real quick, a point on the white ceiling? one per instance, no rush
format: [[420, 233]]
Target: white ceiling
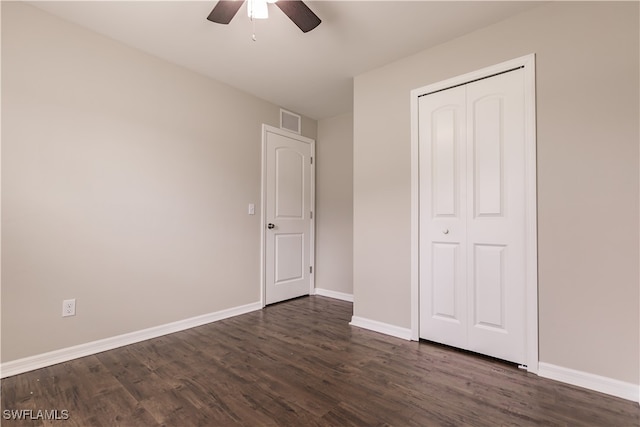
[[311, 74]]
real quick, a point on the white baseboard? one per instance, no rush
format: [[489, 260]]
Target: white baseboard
[[38, 361], [589, 381], [334, 294], [383, 328]]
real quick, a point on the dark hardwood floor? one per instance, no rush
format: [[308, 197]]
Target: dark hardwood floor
[[299, 363]]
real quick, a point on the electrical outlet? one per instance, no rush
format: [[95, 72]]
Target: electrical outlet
[[69, 307]]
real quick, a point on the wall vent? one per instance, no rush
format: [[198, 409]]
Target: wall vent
[[289, 121]]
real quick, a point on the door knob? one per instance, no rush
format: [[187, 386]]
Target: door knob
[[445, 231], [270, 226]]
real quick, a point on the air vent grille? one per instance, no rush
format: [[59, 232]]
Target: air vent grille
[[289, 121]]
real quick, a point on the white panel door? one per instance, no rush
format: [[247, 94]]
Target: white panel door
[[287, 207], [496, 216], [443, 309], [472, 216]]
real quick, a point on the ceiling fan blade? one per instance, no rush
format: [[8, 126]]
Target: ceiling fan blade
[[300, 14], [224, 11]]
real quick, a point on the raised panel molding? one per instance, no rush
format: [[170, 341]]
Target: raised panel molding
[[445, 283], [289, 248], [290, 167], [444, 157], [488, 285], [488, 153]]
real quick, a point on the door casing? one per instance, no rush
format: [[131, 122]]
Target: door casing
[[263, 212], [531, 259]]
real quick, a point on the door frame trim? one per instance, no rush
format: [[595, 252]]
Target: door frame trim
[[263, 213], [527, 62]]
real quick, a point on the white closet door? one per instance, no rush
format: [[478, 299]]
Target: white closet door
[[472, 217], [496, 216], [443, 212]]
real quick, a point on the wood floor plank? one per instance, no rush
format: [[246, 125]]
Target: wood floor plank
[[299, 363]]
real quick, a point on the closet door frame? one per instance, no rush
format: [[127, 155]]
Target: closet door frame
[[531, 262]]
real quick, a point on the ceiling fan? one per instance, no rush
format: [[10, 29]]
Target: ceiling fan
[[296, 10]]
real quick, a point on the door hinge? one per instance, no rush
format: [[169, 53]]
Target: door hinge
[[311, 160], [310, 269], [311, 215]]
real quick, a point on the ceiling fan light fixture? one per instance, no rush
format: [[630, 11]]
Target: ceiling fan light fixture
[[257, 9], [296, 10]]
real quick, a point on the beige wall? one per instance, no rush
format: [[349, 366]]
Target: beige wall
[[334, 200], [588, 203], [125, 185]]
